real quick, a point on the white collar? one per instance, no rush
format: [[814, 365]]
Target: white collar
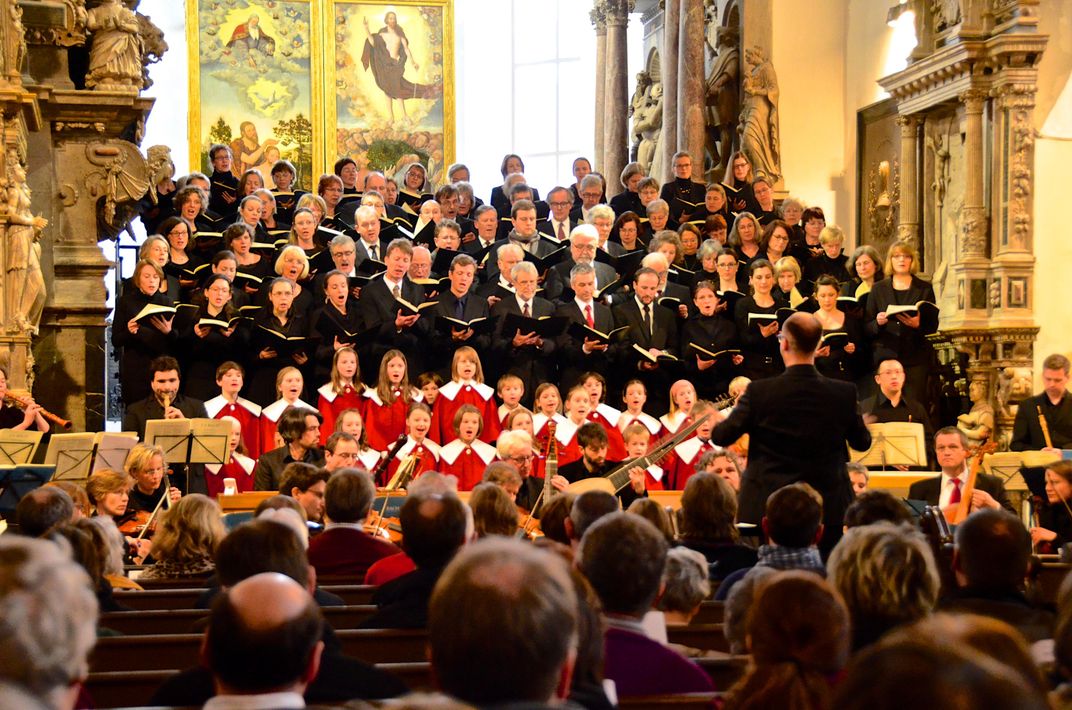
[[656, 472], [688, 450], [215, 405], [428, 444], [452, 388], [649, 422], [245, 462], [673, 422], [415, 394], [565, 431], [391, 284], [262, 701], [450, 452], [521, 303], [581, 304], [504, 411], [274, 410], [962, 477], [607, 412], [539, 421], [641, 306], [369, 458]]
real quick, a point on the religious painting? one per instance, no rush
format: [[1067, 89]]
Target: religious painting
[[1017, 296], [393, 78], [878, 161], [253, 85]]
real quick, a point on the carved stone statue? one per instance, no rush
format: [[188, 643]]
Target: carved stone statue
[[153, 46], [24, 284], [723, 97], [977, 424], [115, 56], [161, 170], [758, 126], [648, 122], [946, 13], [636, 104]]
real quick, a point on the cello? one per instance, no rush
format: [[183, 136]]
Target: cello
[[964, 506], [529, 527]]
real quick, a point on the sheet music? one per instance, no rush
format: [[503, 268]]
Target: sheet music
[[171, 435], [112, 450], [211, 441], [893, 444], [72, 456], [18, 446]]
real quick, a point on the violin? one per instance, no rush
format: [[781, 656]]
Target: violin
[[377, 524]]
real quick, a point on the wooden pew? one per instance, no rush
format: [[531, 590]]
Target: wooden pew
[[122, 689], [1048, 581], [416, 674], [711, 612], [352, 594], [186, 597], [709, 637], [684, 701], [724, 670], [164, 651], [190, 621]]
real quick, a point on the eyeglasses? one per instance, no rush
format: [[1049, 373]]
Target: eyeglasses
[[521, 459], [563, 204], [351, 252]]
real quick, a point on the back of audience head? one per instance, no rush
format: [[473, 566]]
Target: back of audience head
[[992, 552], [708, 509], [433, 482], [875, 506], [887, 576], [434, 528], [685, 584], [652, 511], [50, 618], [554, 514], [914, 672], [798, 633], [41, 509], [292, 517], [523, 642], [190, 528], [623, 556], [494, 513], [261, 546], [349, 496], [263, 636], [794, 516], [111, 541], [739, 603], [77, 492], [587, 508]]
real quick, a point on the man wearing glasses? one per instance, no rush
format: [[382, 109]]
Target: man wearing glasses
[[340, 451], [558, 225], [582, 242], [515, 448]]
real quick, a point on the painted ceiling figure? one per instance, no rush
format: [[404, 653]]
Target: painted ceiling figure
[[250, 35]]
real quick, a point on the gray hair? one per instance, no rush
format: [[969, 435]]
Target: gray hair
[[523, 267], [365, 211], [738, 603], [50, 614], [592, 180], [685, 580], [584, 230], [600, 212], [709, 249], [658, 206], [513, 249], [509, 441], [113, 563], [342, 240], [581, 269]]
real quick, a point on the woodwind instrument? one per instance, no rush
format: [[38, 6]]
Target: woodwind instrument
[[24, 402], [1045, 427], [167, 403]]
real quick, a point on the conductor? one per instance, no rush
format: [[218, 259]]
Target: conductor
[[798, 424]]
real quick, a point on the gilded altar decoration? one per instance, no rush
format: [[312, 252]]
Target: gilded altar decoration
[[393, 78], [883, 200], [758, 127], [253, 86]]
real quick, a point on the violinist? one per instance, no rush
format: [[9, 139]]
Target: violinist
[[145, 465], [1054, 523], [109, 492]]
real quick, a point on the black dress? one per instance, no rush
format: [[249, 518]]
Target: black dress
[[261, 387], [1057, 519], [329, 323], [842, 365], [761, 355], [713, 333], [201, 356], [137, 350], [896, 340]]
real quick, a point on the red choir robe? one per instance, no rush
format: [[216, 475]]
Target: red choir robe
[[239, 468], [653, 425], [269, 421], [504, 412], [331, 403], [672, 422], [248, 415], [384, 423], [607, 417], [539, 428], [427, 452], [451, 397], [369, 459], [466, 461], [566, 438], [680, 465]]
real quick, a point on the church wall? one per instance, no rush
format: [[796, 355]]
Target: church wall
[[1053, 156]]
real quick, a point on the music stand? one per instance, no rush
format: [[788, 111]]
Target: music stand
[[893, 444], [190, 441], [18, 447], [77, 456], [17, 481]]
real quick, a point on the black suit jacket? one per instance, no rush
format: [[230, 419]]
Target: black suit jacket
[[544, 226], [1027, 432], [533, 365], [626, 360], [929, 489], [378, 307], [444, 345], [572, 359], [541, 247], [798, 424], [189, 478], [556, 285]]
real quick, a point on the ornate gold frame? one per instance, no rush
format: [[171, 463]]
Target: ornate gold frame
[[316, 85], [323, 114]]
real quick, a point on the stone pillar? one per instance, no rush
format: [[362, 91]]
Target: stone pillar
[[670, 62], [908, 217], [616, 101], [973, 220], [691, 105], [599, 21]]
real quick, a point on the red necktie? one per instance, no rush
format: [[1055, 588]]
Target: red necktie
[[525, 310], [561, 233], [588, 316], [954, 497]]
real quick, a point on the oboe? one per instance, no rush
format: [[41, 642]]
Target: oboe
[[1045, 428]]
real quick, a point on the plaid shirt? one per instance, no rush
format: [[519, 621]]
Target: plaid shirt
[[783, 558]]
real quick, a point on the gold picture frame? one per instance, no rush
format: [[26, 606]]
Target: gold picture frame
[[268, 77], [378, 64]]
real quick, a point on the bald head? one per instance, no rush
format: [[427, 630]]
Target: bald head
[[264, 635], [802, 332]]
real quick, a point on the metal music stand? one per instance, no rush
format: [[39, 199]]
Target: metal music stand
[[893, 444]]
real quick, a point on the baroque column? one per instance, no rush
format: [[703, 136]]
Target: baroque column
[[598, 16], [691, 100], [973, 220], [616, 101], [670, 66], [908, 226]]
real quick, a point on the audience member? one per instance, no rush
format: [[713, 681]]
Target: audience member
[[344, 548], [587, 508], [708, 523], [185, 544], [873, 506], [41, 509], [685, 585]]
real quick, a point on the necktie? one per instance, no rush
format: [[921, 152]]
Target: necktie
[[954, 497], [561, 233], [525, 310], [647, 318], [588, 316], [372, 253], [397, 291], [459, 308]]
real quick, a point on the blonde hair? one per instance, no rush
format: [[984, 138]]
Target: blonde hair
[[283, 372], [337, 384], [467, 352], [901, 248], [292, 249], [140, 456], [832, 234], [190, 529], [107, 481], [787, 263], [308, 199], [674, 389]]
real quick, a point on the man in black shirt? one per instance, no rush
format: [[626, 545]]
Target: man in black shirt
[[890, 404], [300, 429], [1053, 404], [593, 441]]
